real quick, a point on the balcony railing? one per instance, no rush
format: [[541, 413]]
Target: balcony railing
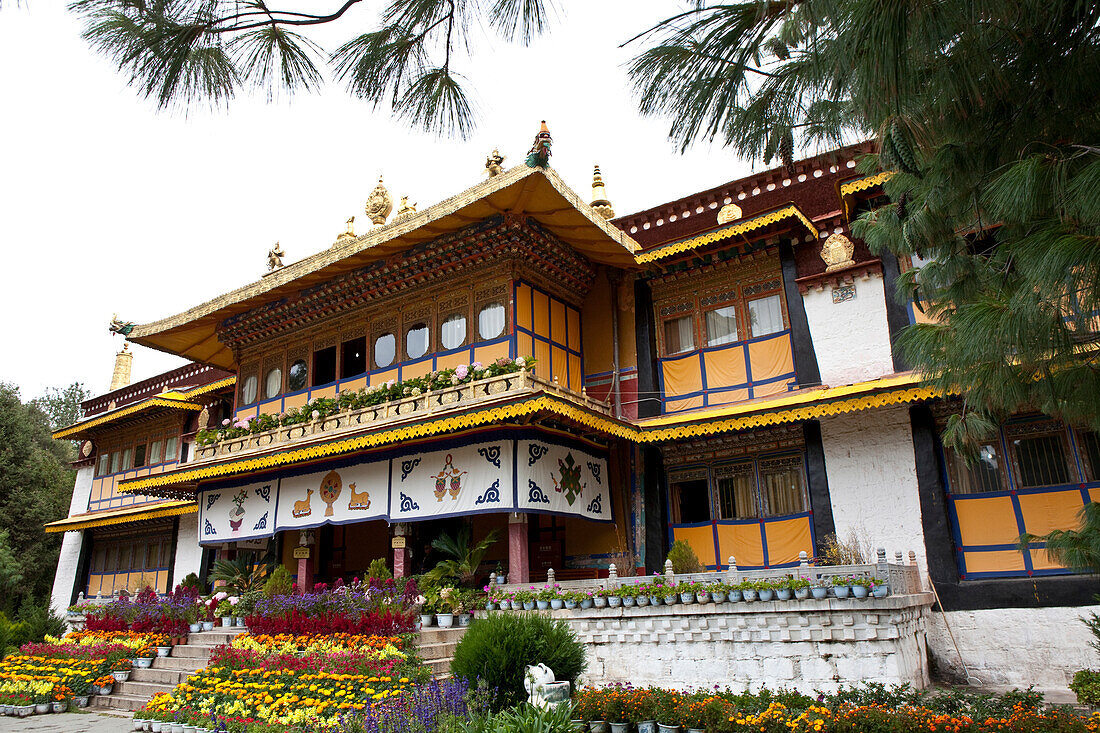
[[429, 404]]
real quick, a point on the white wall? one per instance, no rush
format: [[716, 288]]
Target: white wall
[[873, 479], [65, 576], [188, 552], [851, 339], [1015, 647]]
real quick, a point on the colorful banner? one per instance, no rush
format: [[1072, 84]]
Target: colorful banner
[[339, 496], [239, 513], [466, 480], [562, 480]]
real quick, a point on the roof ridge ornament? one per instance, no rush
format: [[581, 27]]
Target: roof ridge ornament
[[494, 163], [728, 213], [349, 232], [406, 209], [275, 257], [379, 204], [539, 155], [837, 252], [599, 196]]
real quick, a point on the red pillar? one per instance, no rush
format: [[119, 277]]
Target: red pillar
[[400, 562], [305, 573], [519, 567]]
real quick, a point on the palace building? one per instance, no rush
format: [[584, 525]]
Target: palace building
[[717, 369]]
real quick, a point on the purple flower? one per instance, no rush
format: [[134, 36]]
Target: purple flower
[[462, 371]]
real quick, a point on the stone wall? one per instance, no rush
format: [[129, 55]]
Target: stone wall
[[188, 552], [873, 479], [71, 542], [842, 357], [808, 645]]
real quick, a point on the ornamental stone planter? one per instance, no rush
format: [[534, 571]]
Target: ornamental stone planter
[[445, 620], [164, 651]]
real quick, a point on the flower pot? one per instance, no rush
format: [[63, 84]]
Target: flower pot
[[227, 621], [668, 728], [783, 594], [490, 606], [801, 594], [139, 723], [620, 727], [426, 620], [505, 605], [859, 591], [687, 597], [188, 729], [647, 726], [121, 676], [59, 706], [614, 601], [445, 620], [642, 600], [600, 601], [819, 591], [81, 701], [164, 651], [881, 591], [734, 596], [465, 618], [500, 579], [5, 709], [570, 604], [842, 591], [670, 600], [42, 708], [767, 594], [529, 605], [177, 728], [655, 600], [195, 628], [597, 726], [579, 725], [147, 725], [702, 597], [749, 594], [718, 596], [156, 726], [240, 621], [587, 603], [542, 605], [106, 689], [23, 711], [207, 625], [628, 602], [696, 730], [143, 662], [556, 603]]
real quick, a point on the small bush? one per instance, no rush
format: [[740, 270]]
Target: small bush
[[280, 583], [192, 582], [379, 569], [496, 650], [684, 559], [1086, 685]]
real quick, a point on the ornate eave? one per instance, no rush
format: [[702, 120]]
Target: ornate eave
[[848, 189], [122, 516], [535, 193]]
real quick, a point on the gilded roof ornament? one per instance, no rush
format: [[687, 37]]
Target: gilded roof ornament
[[539, 155], [837, 252], [599, 196], [494, 163], [379, 204], [728, 213], [349, 232], [275, 257], [406, 210]]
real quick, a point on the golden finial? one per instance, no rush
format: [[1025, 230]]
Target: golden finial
[[493, 164], [599, 196], [379, 204], [349, 232], [406, 209]]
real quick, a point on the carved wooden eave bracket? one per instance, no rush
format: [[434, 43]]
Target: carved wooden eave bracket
[[842, 276]]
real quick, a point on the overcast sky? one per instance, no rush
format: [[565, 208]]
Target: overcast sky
[[107, 205]]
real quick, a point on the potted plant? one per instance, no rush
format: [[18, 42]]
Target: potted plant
[[120, 670], [599, 599], [691, 714], [702, 593], [842, 585], [557, 601], [749, 589], [501, 577], [614, 597], [613, 710], [765, 589], [587, 707], [42, 703], [719, 592], [800, 586], [641, 594], [667, 710], [105, 684], [448, 601], [465, 601], [819, 588], [641, 710], [861, 586], [879, 588], [543, 596], [59, 701]]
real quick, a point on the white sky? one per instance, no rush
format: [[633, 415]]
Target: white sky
[[107, 205]]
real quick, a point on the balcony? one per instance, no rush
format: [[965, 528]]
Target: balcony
[[440, 403]]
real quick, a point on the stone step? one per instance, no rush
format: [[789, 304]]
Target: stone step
[[436, 635], [189, 664], [119, 701], [142, 689], [194, 651], [440, 667], [160, 676], [439, 650]]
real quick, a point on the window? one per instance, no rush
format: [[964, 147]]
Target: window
[[248, 390], [127, 459], [982, 476], [273, 383], [736, 491], [781, 486], [139, 456], [353, 357], [721, 325], [452, 332], [1090, 446], [416, 340], [170, 449], [490, 321], [678, 335], [296, 378], [324, 366], [115, 458], [766, 315], [690, 497], [154, 452], [385, 349], [103, 465], [1041, 460]]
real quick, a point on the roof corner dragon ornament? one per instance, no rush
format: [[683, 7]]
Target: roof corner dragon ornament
[[539, 155]]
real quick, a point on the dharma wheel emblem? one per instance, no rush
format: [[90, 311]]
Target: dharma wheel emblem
[[379, 204], [837, 252], [331, 485]]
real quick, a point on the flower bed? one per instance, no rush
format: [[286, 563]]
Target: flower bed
[[146, 613], [41, 677], [377, 608]]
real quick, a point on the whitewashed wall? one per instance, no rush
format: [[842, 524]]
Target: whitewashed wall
[[842, 358], [188, 552], [873, 480], [67, 561], [1015, 647]]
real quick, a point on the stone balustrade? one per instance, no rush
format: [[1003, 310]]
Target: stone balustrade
[[434, 403]]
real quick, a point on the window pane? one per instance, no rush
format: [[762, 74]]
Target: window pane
[[248, 390], [170, 449], [296, 378], [385, 349], [127, 459], [781, 484], [273, 383], [416, 340], [678, 335], [984, 475], [736, 492], [353, 357], [766, 315], [154, 452], [690, 501], [114, 461], [324, 366], [721, 325], [139, 456], [490, 321], [1090, 445], [1042, 461], [104, 463], [453, 331]]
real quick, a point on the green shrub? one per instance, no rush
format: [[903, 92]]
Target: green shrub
[[280, 583], [496, 651], [192, 581], [379, 569], [39, 621], [684, 559], [1086, 685]]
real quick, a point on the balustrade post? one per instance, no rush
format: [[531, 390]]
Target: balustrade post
[[492, 580], [899, 558], [732, 575], [551, 577], [612, 577], [883, 570]]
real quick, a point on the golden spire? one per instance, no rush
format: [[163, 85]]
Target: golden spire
[[599, 196], [120, 377]]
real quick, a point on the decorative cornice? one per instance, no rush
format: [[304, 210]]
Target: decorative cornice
[[171, 400], [122, 516], [862, 184], [836, 278], [790, 211]]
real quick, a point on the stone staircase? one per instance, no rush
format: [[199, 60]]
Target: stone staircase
[[437, 648], [166, 672]]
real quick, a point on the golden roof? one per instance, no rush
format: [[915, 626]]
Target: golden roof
[[122, 516], [536, 193]]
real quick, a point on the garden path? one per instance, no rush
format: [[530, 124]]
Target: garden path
[[82, 722]]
